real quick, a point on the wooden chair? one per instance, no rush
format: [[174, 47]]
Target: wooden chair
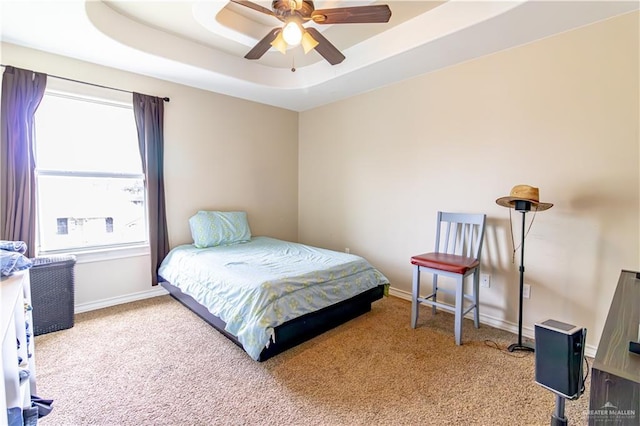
[[459, 240]]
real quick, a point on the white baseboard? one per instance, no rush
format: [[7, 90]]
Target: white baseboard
[[498, 323], [126, 298], [494, 322]]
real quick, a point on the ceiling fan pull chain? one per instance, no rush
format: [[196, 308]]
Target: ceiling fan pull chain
[[293, 63]]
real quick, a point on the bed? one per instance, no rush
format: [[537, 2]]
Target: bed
[[265, 294]]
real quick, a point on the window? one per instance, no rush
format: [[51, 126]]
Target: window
[[63, 226], [90, 184], [108, 222]]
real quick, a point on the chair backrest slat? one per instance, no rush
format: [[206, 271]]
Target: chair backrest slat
[[454, 237], [469, 239], [463, 234]]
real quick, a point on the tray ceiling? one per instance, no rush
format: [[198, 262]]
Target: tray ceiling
[[202, 43]]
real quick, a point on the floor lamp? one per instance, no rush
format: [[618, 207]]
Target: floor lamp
[[523, 198]]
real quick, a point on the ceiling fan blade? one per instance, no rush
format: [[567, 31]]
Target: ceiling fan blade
[[263, 45], [254, 6], [352, 15], [325, 48]]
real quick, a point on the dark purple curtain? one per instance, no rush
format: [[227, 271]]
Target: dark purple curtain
[[149, 114], [22, 91]]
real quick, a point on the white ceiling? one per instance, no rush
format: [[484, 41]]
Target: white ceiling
[[202, 43]]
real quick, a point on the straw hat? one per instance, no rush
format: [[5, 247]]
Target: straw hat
[[524, 193]]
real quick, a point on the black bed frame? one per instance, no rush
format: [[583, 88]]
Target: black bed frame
[[295, 331]]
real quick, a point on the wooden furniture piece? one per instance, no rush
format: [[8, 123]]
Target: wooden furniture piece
[[458, 247], [15, 325], [615, 375]]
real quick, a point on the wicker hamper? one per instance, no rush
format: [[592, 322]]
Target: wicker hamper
[[52, 293]]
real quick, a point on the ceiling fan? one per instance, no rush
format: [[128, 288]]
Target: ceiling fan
[[295, 13]]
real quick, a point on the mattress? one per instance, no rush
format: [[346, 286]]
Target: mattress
[[258, 285]]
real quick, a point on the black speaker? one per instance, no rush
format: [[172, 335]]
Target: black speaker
[[559, 354]]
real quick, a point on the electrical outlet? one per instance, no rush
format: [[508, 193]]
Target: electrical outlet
[[526, 291], [347, 250], [485, 280]]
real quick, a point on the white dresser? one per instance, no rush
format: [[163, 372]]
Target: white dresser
[[15, 302]]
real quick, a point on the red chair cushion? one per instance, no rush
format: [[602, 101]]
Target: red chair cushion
[[445, 262]]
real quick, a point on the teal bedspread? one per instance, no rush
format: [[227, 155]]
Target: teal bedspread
[[256, 286]]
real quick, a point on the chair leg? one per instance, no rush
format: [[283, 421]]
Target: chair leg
[[458, 309], [434, 291], [414, 296], [476, 297]]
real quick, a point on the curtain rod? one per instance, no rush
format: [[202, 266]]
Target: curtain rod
[[85, 82]]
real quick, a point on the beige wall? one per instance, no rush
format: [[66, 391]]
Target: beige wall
[[370, 172], [560, 114], [220, 153]]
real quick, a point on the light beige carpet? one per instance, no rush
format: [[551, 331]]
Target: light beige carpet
[[154, 362]]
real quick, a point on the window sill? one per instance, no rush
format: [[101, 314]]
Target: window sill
[[101, 255]]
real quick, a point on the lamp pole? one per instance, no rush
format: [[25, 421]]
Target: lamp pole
[[523, 207]]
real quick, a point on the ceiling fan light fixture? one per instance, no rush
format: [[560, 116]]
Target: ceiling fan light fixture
[[308, 42], [280, 44], [292, 33], [295, 13]]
